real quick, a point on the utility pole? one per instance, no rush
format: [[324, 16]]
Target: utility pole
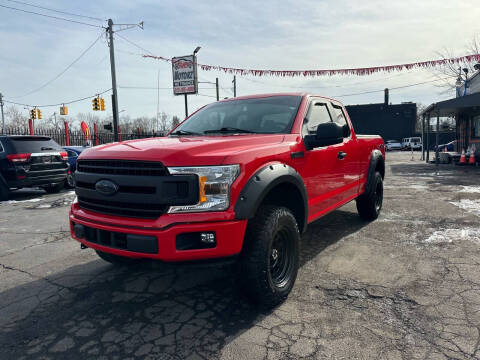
[[3, 118], [114, 82], [216, 85], [234, 86], [158, 97], [186, 106]]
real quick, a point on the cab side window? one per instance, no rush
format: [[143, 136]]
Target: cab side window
[[318, 113], [339, 118]]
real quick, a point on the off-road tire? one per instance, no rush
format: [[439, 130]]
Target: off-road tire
[[116, 260], [3, 192], [270, 256], [369, 204], [54, 188]]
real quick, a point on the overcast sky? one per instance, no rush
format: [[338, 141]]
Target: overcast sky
[[248, 34]]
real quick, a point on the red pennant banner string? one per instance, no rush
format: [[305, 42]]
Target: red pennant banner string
[[331, 72]]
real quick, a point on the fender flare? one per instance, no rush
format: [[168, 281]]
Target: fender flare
[[260, 184], [375, 158]]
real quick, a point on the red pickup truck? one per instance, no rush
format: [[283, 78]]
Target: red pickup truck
[[239, 179]]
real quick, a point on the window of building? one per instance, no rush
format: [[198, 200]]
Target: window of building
[[476, 126]]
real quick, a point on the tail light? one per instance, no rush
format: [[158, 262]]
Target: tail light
[[18, 158], [64, 155]]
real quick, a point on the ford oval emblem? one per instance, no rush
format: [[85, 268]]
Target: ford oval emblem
[[106, 187]]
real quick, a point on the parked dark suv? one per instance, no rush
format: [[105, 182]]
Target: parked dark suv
[[31, 161]]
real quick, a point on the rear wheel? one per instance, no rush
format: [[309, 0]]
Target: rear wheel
[[370, 203], [115, 259], [270, 257], [53, 188]]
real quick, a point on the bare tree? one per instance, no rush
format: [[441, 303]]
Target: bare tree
[[448, 73], [163, 125], [175, 121], [14, 117]]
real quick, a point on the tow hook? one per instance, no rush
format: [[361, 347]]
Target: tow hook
[[82, 246]]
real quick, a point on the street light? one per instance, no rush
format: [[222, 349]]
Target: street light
[[197, 49]]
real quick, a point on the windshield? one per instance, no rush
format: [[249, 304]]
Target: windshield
[[269, 115]]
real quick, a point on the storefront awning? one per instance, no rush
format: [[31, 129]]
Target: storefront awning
[[452, 106]]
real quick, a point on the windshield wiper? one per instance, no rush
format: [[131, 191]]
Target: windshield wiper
[[228, 130], [184, 132]]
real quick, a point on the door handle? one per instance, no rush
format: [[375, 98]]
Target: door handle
[[341, 155]]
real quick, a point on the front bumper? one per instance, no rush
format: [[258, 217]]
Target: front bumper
[[138, 242]]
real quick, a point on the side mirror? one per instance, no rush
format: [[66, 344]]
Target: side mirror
[[327, 134]]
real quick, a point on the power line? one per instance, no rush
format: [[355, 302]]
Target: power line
[[51, 16], [156, 88], [62, 72], [392, 88], [132, 43], [62, 103], [57, 11]]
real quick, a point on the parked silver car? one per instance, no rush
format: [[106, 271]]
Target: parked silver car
[[393, 145]]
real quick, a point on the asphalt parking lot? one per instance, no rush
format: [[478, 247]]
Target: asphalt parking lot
[[406, 286]]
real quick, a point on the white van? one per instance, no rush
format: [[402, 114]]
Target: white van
[[410, 143]]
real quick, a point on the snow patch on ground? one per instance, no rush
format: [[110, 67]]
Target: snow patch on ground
[[23, 201], [451, 235], [471, 206], [470, 189]]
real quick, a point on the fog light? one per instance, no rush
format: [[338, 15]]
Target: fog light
[[79, 231], [208, 238]]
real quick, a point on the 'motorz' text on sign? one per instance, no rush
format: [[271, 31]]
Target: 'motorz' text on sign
[[184, 75]]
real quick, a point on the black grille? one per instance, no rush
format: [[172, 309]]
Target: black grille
[[138, 210], [145, 189], [122, 167]]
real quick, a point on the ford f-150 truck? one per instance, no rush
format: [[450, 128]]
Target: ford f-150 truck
[[239, 179]]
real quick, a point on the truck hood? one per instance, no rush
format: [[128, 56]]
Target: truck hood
[[182, 151]]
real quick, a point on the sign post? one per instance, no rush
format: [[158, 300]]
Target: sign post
[[185, 80]]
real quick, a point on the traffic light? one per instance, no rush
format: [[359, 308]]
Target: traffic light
[[33, 114], [63, 110], [39, 114], [108, 127], [102, 104], [95, 104]]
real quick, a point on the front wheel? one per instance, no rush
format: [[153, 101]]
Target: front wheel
[[370, 203], [54, 188], [270, 257], [70, 181]]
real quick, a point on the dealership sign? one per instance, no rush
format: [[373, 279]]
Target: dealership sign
[[184, 70]]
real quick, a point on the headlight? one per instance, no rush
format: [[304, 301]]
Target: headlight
[[214, 182]]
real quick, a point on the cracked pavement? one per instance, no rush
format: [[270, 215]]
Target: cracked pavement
[[406, 286]]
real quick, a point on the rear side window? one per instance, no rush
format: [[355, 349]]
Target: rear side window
[[30, 144], [317, 114], [339, 118]]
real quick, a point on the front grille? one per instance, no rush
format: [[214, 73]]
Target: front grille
[[145, 189], [122, 167], [138, 210]]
